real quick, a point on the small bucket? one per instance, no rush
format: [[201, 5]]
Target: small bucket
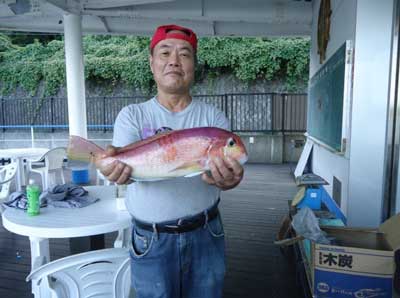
[[80, 176]]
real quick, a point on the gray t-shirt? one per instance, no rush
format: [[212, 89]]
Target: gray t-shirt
[[173, 198]]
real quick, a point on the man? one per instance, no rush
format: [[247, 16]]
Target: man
[[177, 238]]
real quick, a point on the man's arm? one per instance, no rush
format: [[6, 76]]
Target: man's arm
[[118, 171], [124, 134], [225, 173]]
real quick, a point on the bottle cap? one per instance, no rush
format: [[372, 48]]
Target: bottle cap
[[31, 181]]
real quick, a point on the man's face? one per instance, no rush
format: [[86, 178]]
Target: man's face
[[172, 65]]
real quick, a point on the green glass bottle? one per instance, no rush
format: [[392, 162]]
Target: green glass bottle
[[33, 193]]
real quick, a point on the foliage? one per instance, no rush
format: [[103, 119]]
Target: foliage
[[252, 58], [115, 59], [23, 39]]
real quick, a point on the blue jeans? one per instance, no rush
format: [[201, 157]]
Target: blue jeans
[[185, 265]]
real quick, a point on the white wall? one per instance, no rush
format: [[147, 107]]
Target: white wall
[[343, 21], [369, 25], [369, 116]]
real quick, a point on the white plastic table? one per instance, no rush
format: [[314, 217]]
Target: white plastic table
[[17, 155], [98, 218]]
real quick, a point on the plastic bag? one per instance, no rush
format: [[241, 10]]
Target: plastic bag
[[306, 224]]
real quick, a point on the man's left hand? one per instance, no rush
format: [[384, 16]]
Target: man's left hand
[[225, 173]]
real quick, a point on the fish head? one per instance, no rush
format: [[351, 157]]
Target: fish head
[[230, 145]]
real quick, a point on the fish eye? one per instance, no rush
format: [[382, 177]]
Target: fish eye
[[231, 142]]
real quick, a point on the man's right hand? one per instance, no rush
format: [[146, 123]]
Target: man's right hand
[[117, 171]]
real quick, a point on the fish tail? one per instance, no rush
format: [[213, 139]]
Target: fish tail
[[82, 149]]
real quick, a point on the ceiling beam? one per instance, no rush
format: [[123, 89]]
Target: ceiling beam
[[99, 4], [59, 7], [145, 27], [105, 25], [129, 13]]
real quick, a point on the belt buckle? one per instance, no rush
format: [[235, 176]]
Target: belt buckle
[[175, 227], [172, 227]]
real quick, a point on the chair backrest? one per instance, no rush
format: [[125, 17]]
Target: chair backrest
[[104, 271], [54, 158], [7, 174]]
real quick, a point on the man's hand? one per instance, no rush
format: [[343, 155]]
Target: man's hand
[[118, 171], [225, 173]]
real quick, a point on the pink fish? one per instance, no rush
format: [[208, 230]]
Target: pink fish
[[178, 153]]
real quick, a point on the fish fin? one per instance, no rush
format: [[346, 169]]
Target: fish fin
[[194, 174], [82, 149]]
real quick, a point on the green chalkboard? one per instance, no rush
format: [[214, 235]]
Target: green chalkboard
[[325, 101]]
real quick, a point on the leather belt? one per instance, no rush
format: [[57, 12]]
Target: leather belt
[[181, 225]]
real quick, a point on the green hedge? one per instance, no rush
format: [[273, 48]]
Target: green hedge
[[124, 59]]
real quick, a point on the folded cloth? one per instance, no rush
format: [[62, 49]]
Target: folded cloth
[[67, 196], [19, 200], [64, 195]]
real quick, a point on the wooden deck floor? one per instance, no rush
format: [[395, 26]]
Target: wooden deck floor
[[251, 215]]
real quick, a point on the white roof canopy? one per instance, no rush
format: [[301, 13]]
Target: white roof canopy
[[140, 17]]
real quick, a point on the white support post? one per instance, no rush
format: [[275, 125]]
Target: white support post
[[76, 92], [75, 75]]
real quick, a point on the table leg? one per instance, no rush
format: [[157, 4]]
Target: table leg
[[40, 254], [123, 238], [40, 251]]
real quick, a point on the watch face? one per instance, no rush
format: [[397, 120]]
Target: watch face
[[324, 23]]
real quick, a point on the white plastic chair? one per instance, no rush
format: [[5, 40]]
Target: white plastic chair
[[53, 163], [7, 175], [102, 273]]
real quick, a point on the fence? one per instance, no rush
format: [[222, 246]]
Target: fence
[[255, 112]]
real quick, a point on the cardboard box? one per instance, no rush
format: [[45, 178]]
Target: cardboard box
[[361, 264]]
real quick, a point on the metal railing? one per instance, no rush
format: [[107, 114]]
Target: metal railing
[[255, 112]]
